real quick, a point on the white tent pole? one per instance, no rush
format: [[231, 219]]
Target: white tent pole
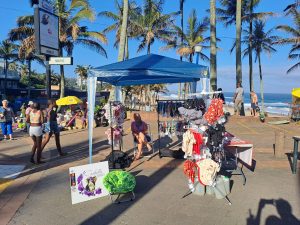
[[91, 84], [118, 93]]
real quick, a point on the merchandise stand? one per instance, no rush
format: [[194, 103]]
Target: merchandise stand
[[217, 153], [111, 104], [159, 121]]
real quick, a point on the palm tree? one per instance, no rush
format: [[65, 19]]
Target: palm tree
[[118, 18], [227, 14], [192, 38], [293, 39], [262, 42], [152, 24], [213, 46], [8, 51], [82, 72]]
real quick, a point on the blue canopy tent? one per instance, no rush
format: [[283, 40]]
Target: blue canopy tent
[[147, 69]]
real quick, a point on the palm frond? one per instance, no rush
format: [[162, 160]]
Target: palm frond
[[96, 35], [25, 21], [293, 68], [110, 15], [93, 45]]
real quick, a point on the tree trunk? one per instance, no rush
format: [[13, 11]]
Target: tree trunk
[[29, 77], [80, 84], [261, 84], [5, 78], [149, 49], [181, 22], [62, 81], [238, 41], [123, 35], [213, 46], [126, 49], [250, 48], [122, 42]]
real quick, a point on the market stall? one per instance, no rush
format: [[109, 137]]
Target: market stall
[[147, 69]]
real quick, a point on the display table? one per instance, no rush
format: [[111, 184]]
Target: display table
[[242, 151]]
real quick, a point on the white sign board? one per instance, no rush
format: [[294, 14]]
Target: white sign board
[[46, 5], [61, 61], [86, 181], [49, 30]]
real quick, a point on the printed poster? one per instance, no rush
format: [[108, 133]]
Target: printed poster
[[86, 181], [49, 30]]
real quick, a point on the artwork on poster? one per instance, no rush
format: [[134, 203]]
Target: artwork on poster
[[86, 181], [49, 30]]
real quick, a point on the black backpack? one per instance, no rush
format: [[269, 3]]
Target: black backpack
[[119, 160]]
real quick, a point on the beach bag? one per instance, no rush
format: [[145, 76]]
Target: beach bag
[[119, 160]]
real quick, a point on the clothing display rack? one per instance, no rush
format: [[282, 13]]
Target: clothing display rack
[[202, 144], [159, 120], [180, 120], [114, 123]]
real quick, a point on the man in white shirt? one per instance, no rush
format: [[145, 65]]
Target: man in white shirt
[[238, 99]]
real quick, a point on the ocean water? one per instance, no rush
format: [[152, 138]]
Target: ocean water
[[273, 103]]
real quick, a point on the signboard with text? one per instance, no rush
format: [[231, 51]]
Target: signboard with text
[[61, 61]]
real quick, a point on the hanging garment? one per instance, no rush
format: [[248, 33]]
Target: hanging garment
[[215, 111], [189, 170], [207, 170], [199, 141], [188, 143]]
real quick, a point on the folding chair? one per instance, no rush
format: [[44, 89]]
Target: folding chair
[[151, 142]]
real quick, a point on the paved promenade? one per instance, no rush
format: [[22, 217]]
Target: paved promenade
[[40, 195]]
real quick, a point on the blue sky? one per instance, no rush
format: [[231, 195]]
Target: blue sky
[[274, 67]]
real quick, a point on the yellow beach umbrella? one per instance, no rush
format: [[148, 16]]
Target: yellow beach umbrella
[[296, 92], [69, 100]]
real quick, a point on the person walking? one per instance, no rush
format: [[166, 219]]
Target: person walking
[[238, 99], [51, 127], [35, 118], [254, 102], [6, 119]]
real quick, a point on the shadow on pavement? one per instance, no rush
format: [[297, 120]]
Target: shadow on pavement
[[144, 186], [283, 208], [75, 152]]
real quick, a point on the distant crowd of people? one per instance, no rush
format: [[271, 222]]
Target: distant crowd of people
[[39, 123]]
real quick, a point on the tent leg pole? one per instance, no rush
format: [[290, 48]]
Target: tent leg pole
[[112, 136]]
